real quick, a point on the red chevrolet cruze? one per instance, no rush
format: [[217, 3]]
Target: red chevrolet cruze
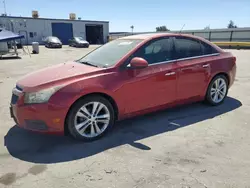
[[126, 77]]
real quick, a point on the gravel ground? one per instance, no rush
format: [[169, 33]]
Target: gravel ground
[[190, 146]]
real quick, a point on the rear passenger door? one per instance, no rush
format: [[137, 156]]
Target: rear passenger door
[[193, 67]]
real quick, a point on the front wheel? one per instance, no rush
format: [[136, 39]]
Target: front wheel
[[90, 118], [217, 90]]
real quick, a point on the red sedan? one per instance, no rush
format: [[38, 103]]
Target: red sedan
[[127, 77]]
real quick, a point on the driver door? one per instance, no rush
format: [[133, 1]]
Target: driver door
[[154, 85]]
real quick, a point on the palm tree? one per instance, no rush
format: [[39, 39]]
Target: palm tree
[[132, 28]]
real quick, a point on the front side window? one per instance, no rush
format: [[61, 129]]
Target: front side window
[[157, 51], [186, 48]]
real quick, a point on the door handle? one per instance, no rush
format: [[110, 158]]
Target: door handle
[[170, 73], [205, 66]]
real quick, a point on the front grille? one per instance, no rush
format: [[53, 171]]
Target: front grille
[[14, 99], [36, 125]]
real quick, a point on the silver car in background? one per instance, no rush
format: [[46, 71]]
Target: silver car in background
[[78, 42], [52, 42]]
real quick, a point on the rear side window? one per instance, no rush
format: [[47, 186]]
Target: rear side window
[[186, 48], [207, 49], [157, 51]]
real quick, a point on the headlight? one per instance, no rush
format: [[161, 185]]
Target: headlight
[[41, 96]]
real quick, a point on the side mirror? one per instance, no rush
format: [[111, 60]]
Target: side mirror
[[138, 63]]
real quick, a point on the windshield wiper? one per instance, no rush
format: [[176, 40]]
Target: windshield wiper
[[87, 63], [104, 66]]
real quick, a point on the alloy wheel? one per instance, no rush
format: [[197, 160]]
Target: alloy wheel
[[218, 90], [92, 119]]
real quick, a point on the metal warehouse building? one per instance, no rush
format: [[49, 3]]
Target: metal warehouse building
[[36, 29]]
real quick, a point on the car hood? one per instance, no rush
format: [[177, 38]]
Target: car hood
[[52, 75], [54, 42]]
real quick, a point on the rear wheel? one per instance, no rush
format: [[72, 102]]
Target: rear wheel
[[90, 118], [217, 90]]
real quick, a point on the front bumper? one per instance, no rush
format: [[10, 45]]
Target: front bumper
[[46, 118], [56, 45], [84, 45]]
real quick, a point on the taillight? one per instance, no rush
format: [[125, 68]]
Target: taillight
[[234, 59]]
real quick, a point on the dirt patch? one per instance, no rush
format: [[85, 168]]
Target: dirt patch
[[8, 179], [38, 169]]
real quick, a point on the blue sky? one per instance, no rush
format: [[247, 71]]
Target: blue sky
[[145, 15]]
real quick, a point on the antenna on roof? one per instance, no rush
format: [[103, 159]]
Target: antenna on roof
[[182, 28]]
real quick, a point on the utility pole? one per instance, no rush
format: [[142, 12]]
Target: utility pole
[[4, 4]]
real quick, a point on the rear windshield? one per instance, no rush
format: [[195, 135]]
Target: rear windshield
[[108, 54]]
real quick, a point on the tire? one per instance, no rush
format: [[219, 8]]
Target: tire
[[210, 97], [92, 123]]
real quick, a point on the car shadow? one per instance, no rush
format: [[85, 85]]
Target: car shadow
[[10, 57], [40, 148]]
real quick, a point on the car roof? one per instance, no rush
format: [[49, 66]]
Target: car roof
[[150, 36], [156, 35]]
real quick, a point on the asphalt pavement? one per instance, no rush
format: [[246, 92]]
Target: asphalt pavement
[[190, 146]]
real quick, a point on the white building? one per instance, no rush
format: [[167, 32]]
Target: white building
[[36, 29]]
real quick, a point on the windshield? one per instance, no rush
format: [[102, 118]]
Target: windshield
[[79, 39], [108, 54], [54, 39]]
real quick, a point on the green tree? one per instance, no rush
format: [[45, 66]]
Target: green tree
[[132, 28], [231, 24], [162, 28]]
